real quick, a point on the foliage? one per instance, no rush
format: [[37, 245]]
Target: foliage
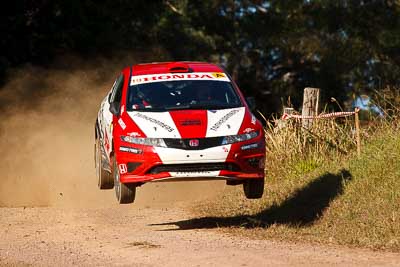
[[272, 48]]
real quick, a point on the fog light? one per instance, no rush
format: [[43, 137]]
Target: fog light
[[133, 166], [254, 162]]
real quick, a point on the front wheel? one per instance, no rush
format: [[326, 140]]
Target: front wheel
[[253, 188], [125, 193], [104, 178]]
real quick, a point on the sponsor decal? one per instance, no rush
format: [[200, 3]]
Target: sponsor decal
[[130, 150], [253, 119], [134, 134], [122, 124], [122, 168], [250, 146], [122, 109], [248, 130], [179, 76], [225, 149], [223, 119], [194, 142], [190, 122], [195, 174], [218, 75], [155, 121]]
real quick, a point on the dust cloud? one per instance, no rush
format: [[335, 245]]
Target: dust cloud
[[47, 140]]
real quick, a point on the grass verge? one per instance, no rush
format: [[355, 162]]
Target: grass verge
[[320, 194]]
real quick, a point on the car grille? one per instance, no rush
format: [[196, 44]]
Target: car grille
[[184, 143], [194, 167]]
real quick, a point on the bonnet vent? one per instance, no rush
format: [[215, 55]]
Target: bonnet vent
[[178, 67]]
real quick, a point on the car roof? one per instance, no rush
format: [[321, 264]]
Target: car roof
[[175, 66]]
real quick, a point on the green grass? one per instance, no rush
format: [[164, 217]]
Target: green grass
[[318, 190]]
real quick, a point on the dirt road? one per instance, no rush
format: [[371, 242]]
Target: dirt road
[[51, 212], [149, 236]]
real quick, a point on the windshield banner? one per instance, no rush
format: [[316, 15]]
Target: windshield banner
[[214, 76]]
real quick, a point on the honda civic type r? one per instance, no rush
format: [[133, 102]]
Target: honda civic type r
[[177, 121]]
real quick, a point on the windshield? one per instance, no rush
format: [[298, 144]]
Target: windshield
[[182, 94]]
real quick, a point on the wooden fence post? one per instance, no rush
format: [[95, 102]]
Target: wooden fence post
[[310, 105], [358, 138]]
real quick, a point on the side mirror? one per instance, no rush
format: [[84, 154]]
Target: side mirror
[[115, 108], [251, 101]]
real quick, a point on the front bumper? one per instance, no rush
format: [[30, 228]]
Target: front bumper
[[227, 162]]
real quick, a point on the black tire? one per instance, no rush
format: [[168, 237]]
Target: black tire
[[253, 188], [104, 178], [125, 193]]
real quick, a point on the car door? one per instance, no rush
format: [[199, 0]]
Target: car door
[[106, 117]]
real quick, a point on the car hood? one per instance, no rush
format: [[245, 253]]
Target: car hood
[[189, 123]]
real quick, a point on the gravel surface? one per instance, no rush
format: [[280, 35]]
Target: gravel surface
[[146, 236]]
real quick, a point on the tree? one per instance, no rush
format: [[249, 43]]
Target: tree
[[273, 49]]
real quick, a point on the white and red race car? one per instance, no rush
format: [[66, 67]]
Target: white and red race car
[[177, 121]]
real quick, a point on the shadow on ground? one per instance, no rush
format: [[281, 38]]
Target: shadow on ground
[[303, 208]]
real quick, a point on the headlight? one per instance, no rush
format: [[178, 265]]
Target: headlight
[[239, 138], [144, 141]]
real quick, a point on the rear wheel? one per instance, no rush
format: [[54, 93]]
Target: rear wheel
[[104, 178], [125, 193], [253, 188]]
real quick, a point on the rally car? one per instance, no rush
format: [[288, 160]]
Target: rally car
[[177, 121]]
